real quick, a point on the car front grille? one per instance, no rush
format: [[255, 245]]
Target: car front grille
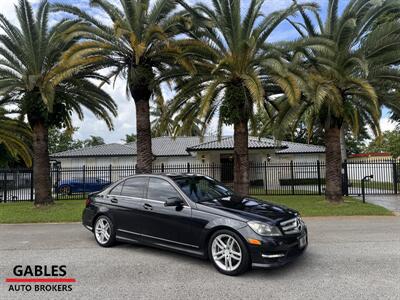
[[292, 226]]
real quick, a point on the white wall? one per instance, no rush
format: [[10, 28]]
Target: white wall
[[120, 161], [257, 156]]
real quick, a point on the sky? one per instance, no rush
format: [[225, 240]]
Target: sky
[[125, 122]]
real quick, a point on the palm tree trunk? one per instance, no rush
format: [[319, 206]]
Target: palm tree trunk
[[343, 149], [241, 158], [41, 164], [333, 166], [143, 142]]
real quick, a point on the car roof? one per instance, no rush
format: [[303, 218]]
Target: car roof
[[171, 175]]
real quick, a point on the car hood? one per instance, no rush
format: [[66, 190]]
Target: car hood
[[251, 208]]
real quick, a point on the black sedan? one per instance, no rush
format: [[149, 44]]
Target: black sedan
[[199, 216]]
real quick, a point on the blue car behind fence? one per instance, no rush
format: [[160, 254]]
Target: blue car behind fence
[[79, 185]]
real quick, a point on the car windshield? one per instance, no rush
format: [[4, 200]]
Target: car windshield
[[201, 188]]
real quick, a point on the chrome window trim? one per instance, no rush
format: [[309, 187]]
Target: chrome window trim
[[157, 238], [186, 199]]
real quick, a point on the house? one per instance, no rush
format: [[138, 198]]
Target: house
[[182, 150], [207, 155]]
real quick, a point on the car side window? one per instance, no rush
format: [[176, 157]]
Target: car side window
[[161, 190], [117, 189], [134, 187]]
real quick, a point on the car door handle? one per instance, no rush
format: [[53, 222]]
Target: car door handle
[[147, 206], [114, 200]]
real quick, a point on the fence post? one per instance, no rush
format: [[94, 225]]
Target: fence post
[[213, 169], [188, 167], [57, 180], [110, 173], [32, 197], [162, 167], [395, 177], [265, 176], [292, 175], [319, 177], [84, 180], [345, 179], [5, 185]]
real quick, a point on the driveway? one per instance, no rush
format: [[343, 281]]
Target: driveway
[[348, 258], [391, 202]]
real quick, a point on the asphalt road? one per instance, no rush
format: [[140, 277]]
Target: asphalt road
[[348, 258]]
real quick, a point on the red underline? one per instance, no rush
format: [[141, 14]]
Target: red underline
[[40, 280]]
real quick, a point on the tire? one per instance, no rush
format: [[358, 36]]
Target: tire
[[65, 190], [230, 250], [104, 231]]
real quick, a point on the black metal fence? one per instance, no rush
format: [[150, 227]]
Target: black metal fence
[[283, 178]]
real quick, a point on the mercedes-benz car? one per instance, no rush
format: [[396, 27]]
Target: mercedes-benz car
[[199, 216]]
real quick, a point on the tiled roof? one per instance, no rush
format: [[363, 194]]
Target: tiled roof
[[226, 143], [282, 147], [101, 150], [181, 146], [291, 147], [161, 146]]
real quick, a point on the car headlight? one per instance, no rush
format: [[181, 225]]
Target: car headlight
[[264, 229]]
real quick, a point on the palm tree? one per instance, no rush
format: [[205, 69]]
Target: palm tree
[[137, 44], [342, 75], [46, 87], [164, 124], [234, 68], [15, 137]]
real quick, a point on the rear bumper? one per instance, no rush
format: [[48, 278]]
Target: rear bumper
[[276, 251], [87, 218]]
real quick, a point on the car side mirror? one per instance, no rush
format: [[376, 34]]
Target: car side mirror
[[173, 201]]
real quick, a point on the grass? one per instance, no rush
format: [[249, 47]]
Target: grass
[[71, 210], [25, 212], [312, 206]]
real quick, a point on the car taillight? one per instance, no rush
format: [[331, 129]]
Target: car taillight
[[88, 201]]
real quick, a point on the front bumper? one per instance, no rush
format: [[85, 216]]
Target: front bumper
[[275, 251]]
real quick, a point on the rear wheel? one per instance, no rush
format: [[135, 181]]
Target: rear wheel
[[65, 190], [104, 231], [228, 253]]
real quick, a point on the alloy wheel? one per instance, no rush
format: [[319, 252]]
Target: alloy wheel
[[226, 252], [102, 231], [65, 190]]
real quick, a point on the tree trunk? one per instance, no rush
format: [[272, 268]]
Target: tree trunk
[[241, 158], [333, 166], [143, 141], [343, 149], [41, 164]]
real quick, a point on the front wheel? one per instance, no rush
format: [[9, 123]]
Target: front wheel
[[228, 253], [104, 231]]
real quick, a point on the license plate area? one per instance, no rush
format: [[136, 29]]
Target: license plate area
[[302, 241]]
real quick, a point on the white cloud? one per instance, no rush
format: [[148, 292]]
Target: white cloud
[[387, 124], [124, 123]]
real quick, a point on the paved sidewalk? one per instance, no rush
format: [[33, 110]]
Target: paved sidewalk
[[391, 202], [348, 258]]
